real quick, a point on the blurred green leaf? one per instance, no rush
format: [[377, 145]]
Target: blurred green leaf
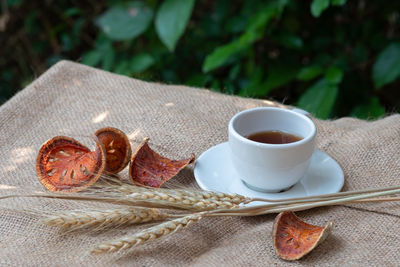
[[229, 88], [31, 23], [171, 20], [236, 24], [123, 23], [14, 3], [215, 86], [254, 31], [359, 53], [334, 75], [7, 75], [197, 80], [76, 30], [123, 68], [72, 11], [221, 10], [234, 72], [319, 99], [255, 77], [338, 2], [258, 48], [66, 42], [277, 76], [371, 110], [221, 54], [309, 72], [91, 58], [290, 41], [103, 53], [141, 62], [136, 64], [387, 67], [53, 60], [108, 57], [318, 6], [323, 59]]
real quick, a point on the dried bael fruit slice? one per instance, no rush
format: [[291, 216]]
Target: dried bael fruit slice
[[117, 146], [294, 238], [65, 165], [149, 168]]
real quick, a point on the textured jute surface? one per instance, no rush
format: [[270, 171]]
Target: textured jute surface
[[75, 100]]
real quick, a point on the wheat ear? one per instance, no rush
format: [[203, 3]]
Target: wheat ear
[[191, 194], [146, 235], [74, 220], [197, 200], [183, 202], [184, 193]]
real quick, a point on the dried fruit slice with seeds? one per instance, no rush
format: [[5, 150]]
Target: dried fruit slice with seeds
[[294, 238], [117, 146], [65, 165], [150, 169]]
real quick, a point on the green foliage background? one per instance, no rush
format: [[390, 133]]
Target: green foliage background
[[333, 58]]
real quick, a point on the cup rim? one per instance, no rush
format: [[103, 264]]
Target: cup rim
[[304, 140]]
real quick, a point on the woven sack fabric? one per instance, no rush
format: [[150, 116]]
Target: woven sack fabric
[[75, 100]]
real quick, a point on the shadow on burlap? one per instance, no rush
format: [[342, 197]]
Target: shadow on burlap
[[75, 100]]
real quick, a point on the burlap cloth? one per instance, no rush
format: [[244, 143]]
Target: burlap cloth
[[75, 100]]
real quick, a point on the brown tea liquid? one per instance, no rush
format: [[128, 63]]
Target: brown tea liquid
[[274, 137]]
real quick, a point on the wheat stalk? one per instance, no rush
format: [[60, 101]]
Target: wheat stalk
[[185, 202], [303, 205], [79, 219], [192, 194], [146, 235], [208, 200], [174, 225], [186, 199], [164, 198], [145, 197], [197, 200]]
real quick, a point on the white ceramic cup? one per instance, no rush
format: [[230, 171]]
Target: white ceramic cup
[[270, 167]]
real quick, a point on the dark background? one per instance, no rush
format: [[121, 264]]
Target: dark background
[[332, 57]]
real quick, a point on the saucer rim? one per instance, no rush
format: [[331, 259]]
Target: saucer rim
[[340, 175]]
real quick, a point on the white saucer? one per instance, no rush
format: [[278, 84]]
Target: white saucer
[[214, 171]]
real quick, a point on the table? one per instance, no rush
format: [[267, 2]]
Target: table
[[75, 100]]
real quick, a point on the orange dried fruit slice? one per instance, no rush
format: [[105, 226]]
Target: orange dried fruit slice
[[149, 168], [65, 165], [294, 238], [117, 146]]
